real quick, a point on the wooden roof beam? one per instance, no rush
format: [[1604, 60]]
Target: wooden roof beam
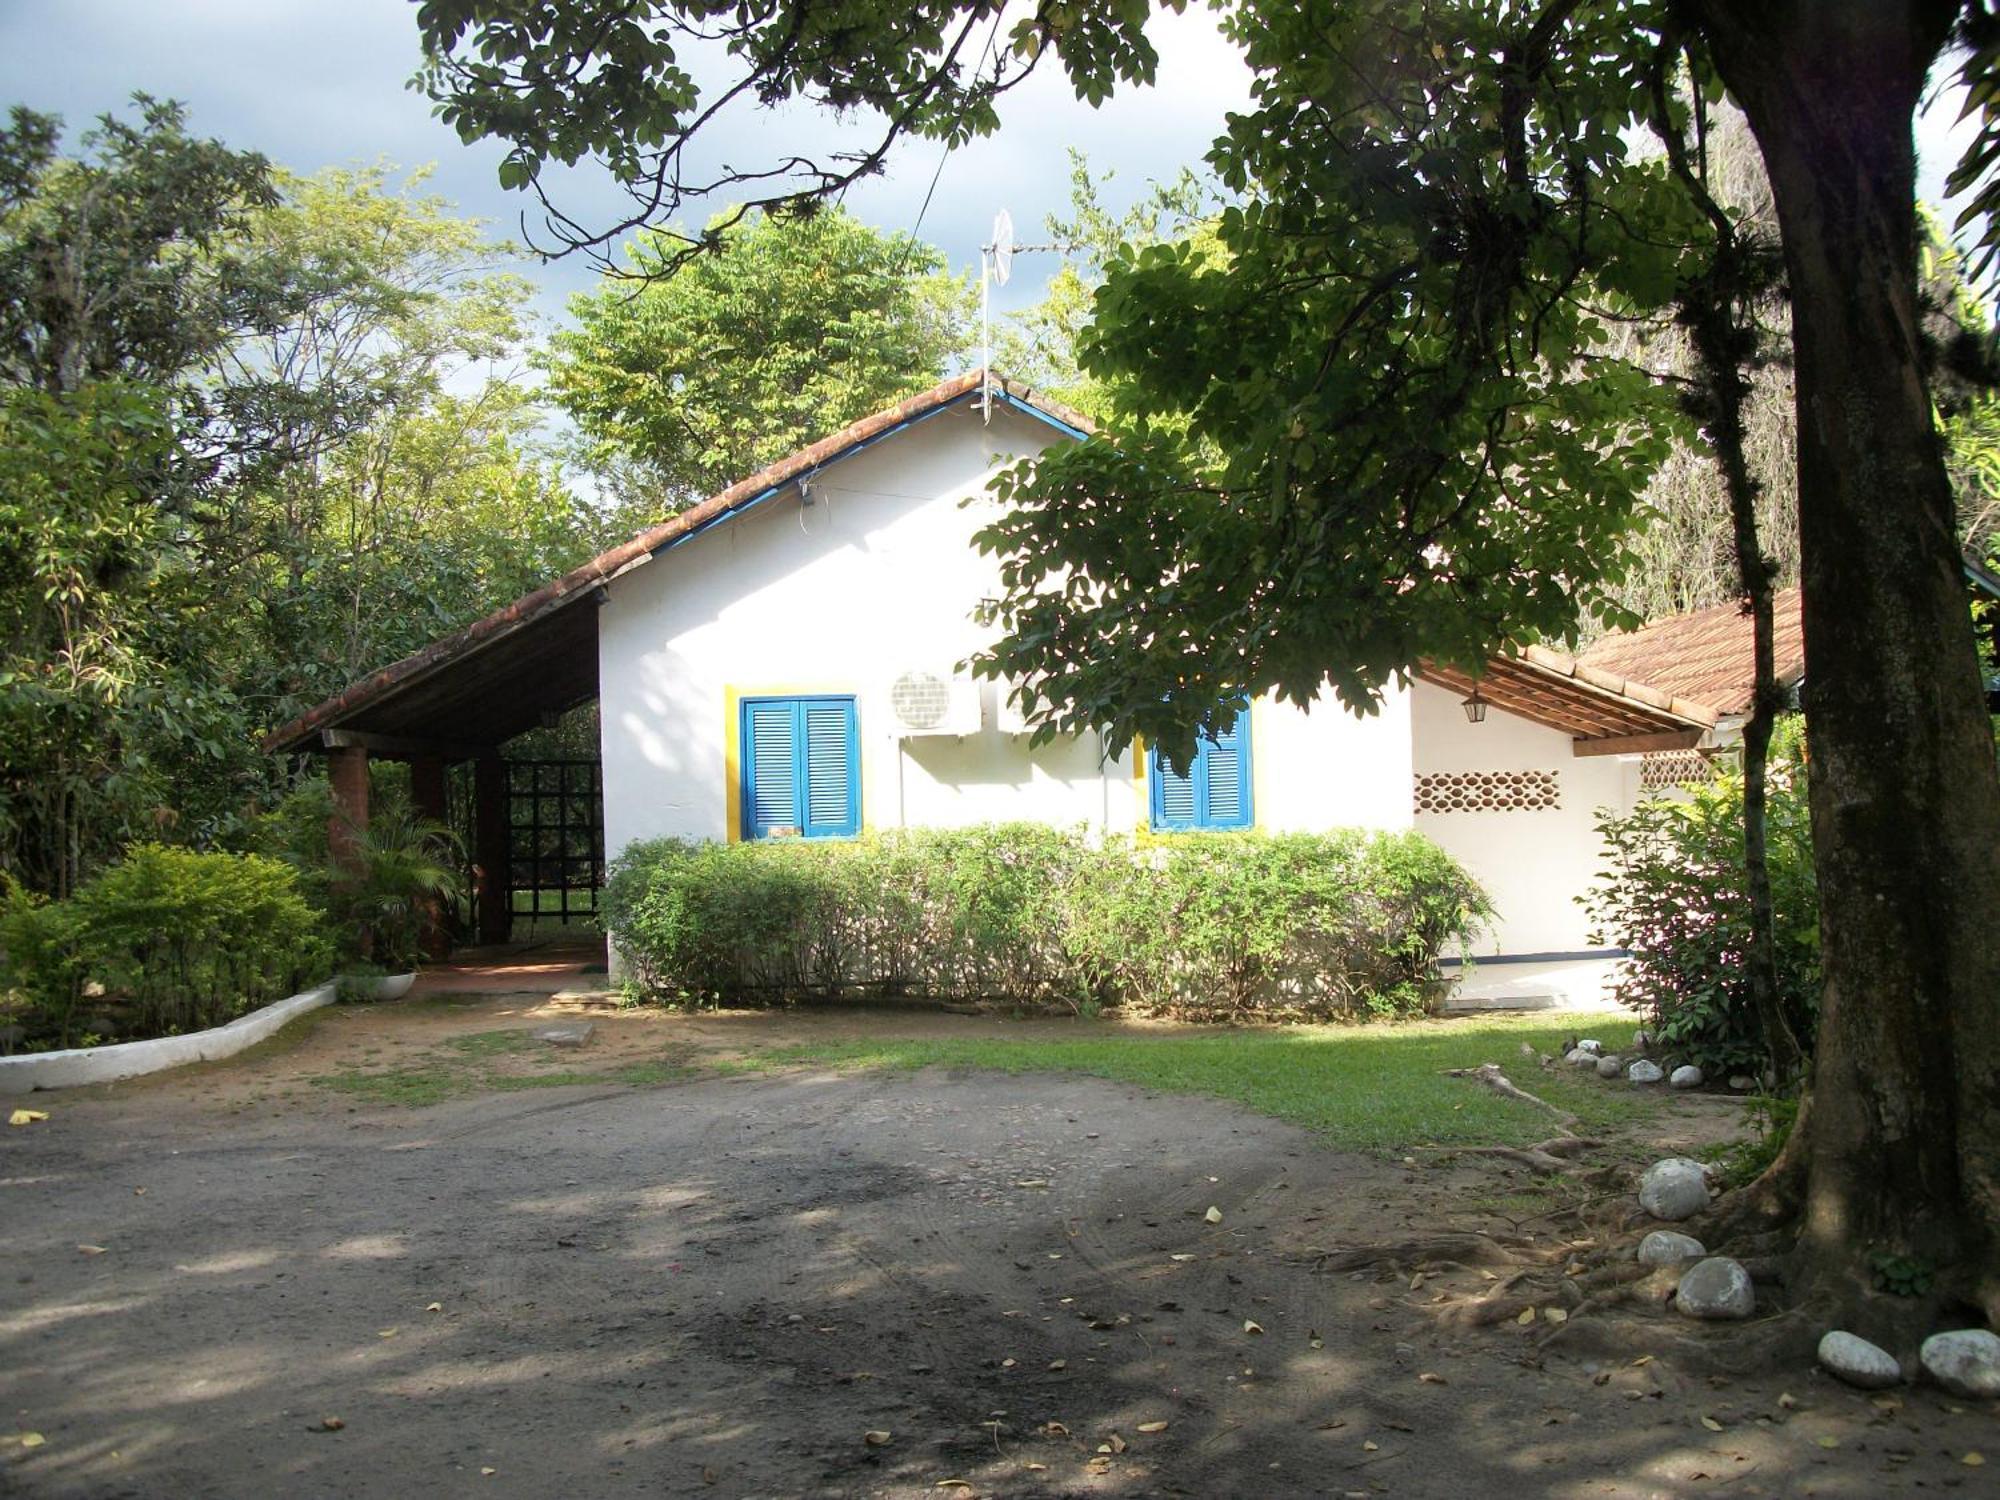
[[1638, 744]]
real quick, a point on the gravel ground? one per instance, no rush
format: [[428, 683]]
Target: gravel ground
[[725, 1285]]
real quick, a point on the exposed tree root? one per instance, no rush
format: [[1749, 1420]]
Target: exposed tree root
[[1490, 1075], [1467, 1249], [1543, 1156]]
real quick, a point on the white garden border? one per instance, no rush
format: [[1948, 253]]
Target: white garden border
[[29, 1071]]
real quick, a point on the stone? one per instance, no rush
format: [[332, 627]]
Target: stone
[[570, 1034], [1686, 1076], [1966, 1362], [1674, 1188], [1851, 1358], [1607, 1067], [1716, 1289], [1643, 1071], [1642, 1041], [1579, 1058], [1594, 1048], [1667, 1247], [1742, 1083]]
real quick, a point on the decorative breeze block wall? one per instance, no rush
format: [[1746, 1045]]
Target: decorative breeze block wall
[[1488, 791], [1668, 770]]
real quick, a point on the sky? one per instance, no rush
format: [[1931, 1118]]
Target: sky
[[315, 83]]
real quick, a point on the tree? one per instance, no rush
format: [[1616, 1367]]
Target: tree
[[1398, 442], [391, 493], [117, 285], [787, 330]]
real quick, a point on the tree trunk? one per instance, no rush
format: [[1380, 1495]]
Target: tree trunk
[[1903, 1149]]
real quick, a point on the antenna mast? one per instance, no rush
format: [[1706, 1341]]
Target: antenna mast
[[996, 264]]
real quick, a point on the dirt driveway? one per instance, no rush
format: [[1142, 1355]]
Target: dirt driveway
[[724, 1285]]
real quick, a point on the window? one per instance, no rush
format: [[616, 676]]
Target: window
[[1215, 793], [801, 768]]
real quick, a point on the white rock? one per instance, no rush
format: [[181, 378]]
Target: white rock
[[1644, 1072], [1742, 1082], [1673, 1189], [1686, 1076], [1666, 1247], [1851, 1358], [1966, 1362], [1594, 1048], [1607, 1067], [1577, 1057], [1716, 1288], [1641, 1040]]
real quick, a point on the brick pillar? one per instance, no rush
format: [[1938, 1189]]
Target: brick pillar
[[429, 800], [347, 774], [491, 901]]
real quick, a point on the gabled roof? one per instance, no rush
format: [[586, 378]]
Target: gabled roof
[[497, 677], [1706, 655], [539, 654]]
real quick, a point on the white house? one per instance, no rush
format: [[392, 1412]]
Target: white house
[[779, 661]]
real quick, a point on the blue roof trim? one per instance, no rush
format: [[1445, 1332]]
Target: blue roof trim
[[1006, 398]]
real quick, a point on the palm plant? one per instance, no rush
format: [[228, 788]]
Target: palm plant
[[405, 869]]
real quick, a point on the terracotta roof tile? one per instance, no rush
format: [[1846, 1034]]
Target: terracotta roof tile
[[1705, 655]]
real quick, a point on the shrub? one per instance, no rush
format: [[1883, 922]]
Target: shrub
[[1675, 895], [171, 940], [1203, 925]]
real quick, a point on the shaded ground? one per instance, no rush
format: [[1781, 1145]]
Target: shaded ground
[[680, 1283]]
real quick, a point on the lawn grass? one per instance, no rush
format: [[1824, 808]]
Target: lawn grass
[[471, 1066], [1376, 1088]]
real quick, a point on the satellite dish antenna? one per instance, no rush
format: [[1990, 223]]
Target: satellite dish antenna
[[1003, 246]]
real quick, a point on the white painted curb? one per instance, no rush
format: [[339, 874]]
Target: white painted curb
[[77, 1065]]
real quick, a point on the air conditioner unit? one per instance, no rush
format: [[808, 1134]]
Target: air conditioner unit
[[1007, 715], [933, 701]]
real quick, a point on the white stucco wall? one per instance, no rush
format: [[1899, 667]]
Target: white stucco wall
[[876, 577], [1533, 864]]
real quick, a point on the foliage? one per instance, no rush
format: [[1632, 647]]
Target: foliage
[[785, 331], [1218, 925], [258, 434], [1674, 895], [117, 283], [1368, 427], [403, 497], [405, 869], [612, 80], [169, 940]]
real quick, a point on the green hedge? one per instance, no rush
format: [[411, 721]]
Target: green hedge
[[1211, 926], [166, 941]]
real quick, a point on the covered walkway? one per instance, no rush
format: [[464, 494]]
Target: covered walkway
[[566, 965]]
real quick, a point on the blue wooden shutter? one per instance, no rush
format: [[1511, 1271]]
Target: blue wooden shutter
[[830, 785], [1175, 804], [801, 768], [770, 769], [1215, 793], [1225, 777]]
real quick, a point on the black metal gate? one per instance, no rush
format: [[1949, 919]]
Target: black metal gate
[[555, 833]]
